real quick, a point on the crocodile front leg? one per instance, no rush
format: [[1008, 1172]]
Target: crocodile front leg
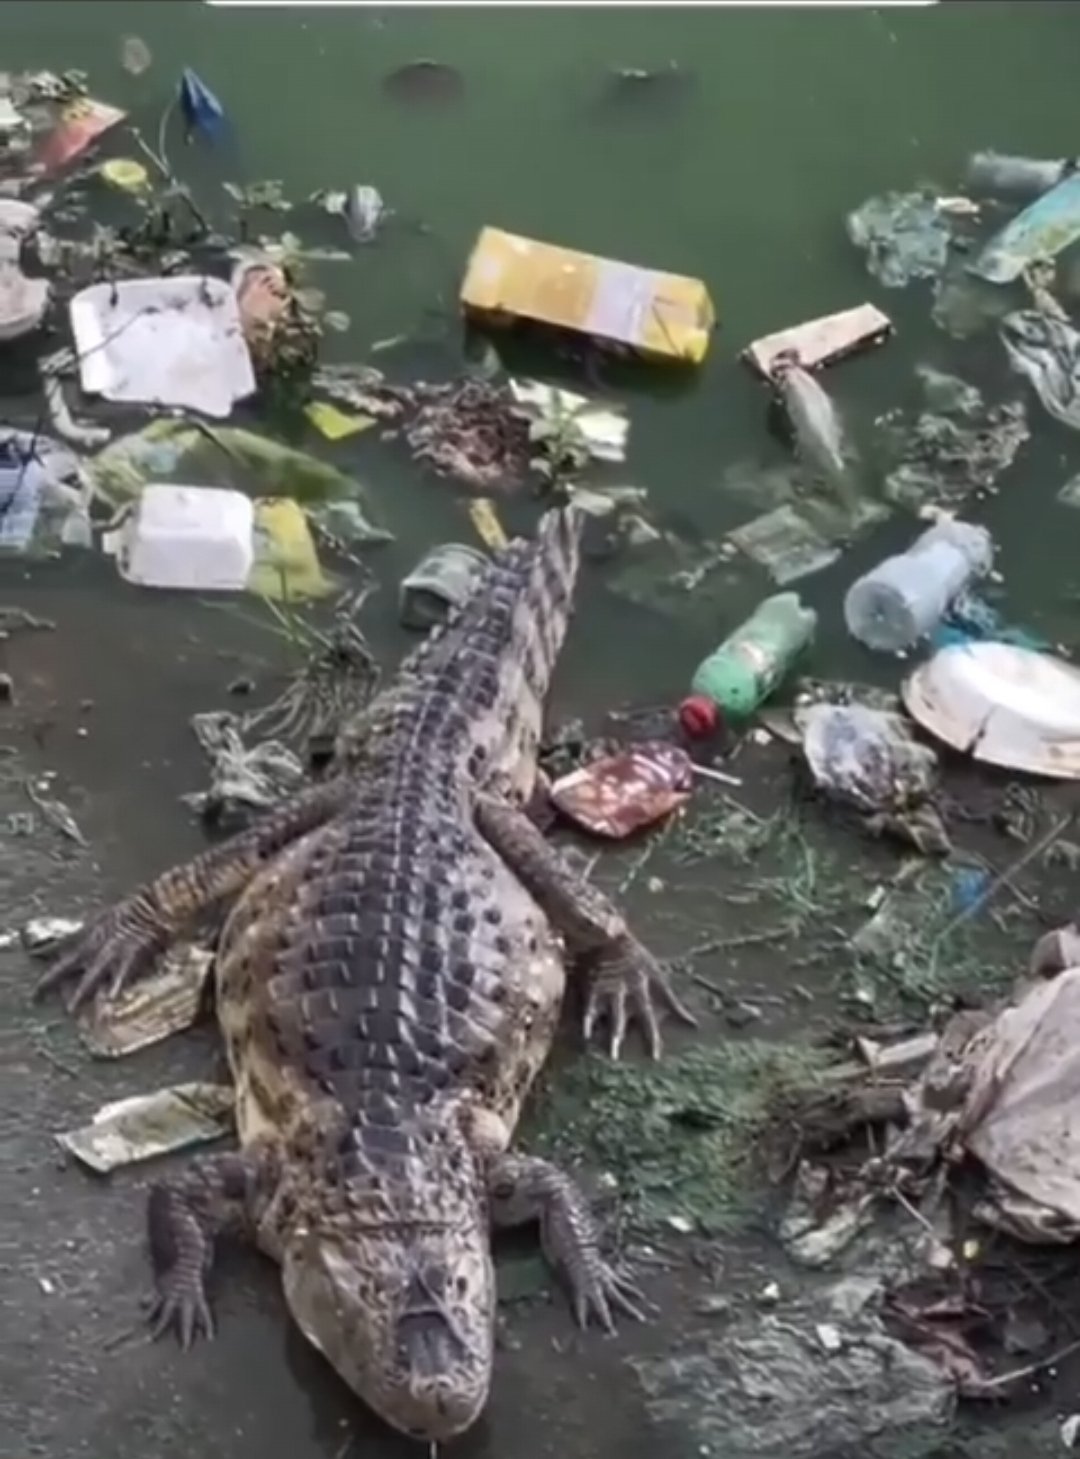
[[223, 1194], [624, 975], [122, 941], [521, 1189]]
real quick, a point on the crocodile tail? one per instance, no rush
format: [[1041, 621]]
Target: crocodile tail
[[502, 644]]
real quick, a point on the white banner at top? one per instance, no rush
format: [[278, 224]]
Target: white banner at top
[[569, 4]]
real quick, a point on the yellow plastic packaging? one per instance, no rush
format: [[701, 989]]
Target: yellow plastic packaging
[[286, 564], [486, 521], [664, 317], [336, 424]]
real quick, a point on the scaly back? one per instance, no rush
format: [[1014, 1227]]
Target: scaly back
[[479, 682]]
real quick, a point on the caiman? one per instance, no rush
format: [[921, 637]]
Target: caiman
[[388, 982]]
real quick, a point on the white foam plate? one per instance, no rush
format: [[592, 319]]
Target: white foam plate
[[1003, 705]]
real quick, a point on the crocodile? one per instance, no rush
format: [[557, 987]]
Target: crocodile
[[388, 982]]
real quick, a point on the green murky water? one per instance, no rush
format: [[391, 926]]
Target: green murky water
[[795, 118]]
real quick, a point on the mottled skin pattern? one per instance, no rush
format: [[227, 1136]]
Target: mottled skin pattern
[[389, 982]]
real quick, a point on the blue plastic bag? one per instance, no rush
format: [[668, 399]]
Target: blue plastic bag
[[203, 113]]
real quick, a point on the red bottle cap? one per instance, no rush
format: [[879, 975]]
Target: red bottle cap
[[699, 717]]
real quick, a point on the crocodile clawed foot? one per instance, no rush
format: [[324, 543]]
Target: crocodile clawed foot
[[626, 980], [180, 1305], [599, 1291], [116, 946]]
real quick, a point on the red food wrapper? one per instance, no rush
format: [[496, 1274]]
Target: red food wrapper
[[80, 125], [623, 793]]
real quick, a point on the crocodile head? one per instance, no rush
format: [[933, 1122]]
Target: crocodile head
[[405, 1311]]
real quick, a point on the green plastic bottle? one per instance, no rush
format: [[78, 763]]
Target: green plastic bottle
[[741, 674]]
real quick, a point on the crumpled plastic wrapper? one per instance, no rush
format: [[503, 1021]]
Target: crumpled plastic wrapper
[[626, 792], [868, 759], [242, 781], [954, 447], [905, 236], [1045, 350]]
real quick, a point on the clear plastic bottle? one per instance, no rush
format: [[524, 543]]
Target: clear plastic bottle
[[746, 668], [905, 597]]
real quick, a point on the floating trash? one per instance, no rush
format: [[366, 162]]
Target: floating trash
[[202, 112], [662, 316], [1040, 232], [169, 448], [905, 236], [23, 300], [1001, 175], [904, 598], [193, 537], [1046, 351], [82, 123], [602, 431], [485, 519], [335, 424], [286, 566], [243, 782], [147, 1125], [869, 759], [135, 55], [42, 934], [820, 442], [262, 298], [956, 445], [168, 341], [1003, 705], [364, 211], [125, 174], [624, 793], [425, 81], [1069, 495], [153, 1009], [442, 581], [785, 544], [821, 341]]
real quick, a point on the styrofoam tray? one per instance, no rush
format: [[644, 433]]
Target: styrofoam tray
[[173, 342], [1001, 704]]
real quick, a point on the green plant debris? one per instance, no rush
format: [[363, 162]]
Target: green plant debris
[[221, 455], [678, 1136], [728, 832], [910, 950], [268, 194]]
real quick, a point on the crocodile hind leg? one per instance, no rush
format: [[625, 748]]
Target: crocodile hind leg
[[624, 977], [184, 1215], [521, 1189], [121, 942]]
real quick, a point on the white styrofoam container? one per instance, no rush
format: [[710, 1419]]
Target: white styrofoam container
[[188, 537], [171, 342]]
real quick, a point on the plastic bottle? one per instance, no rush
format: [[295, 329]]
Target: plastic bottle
[[998, 173], [746, 668], [905, 597]]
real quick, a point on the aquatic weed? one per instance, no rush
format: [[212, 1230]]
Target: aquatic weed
[[680, 1137]]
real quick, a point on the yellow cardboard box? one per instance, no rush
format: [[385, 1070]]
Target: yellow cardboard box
[[664, 317]]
